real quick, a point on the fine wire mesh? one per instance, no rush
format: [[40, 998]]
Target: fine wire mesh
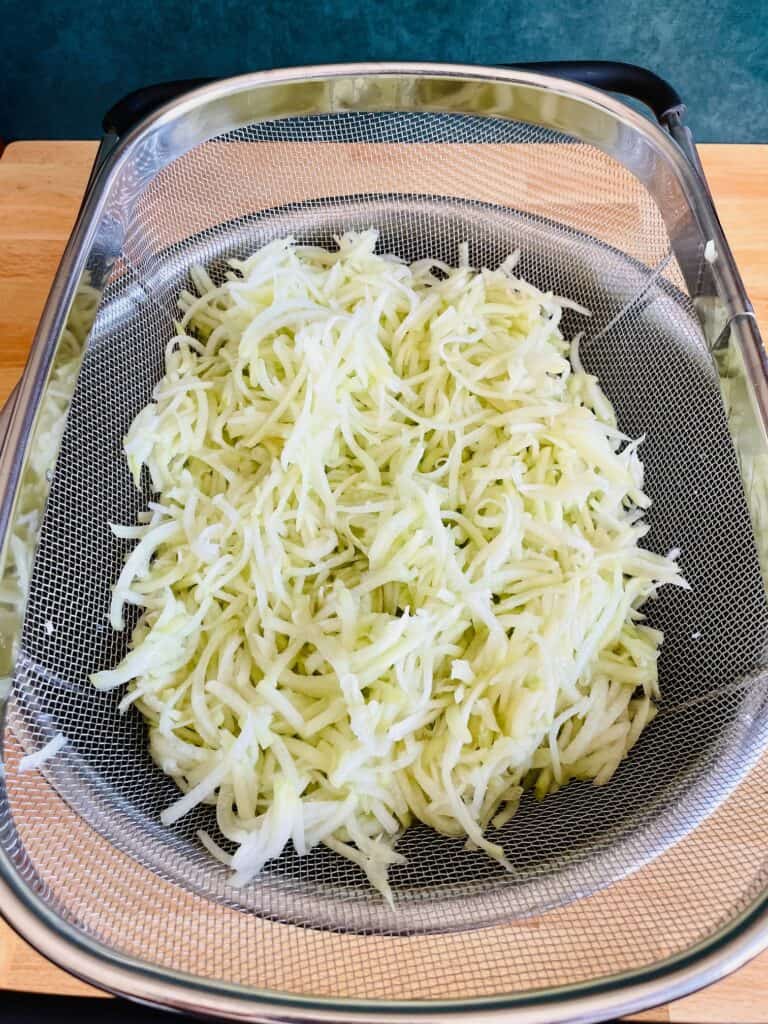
[[606, 879]]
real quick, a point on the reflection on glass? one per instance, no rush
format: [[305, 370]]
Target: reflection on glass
[[749, 442], [41, 456]]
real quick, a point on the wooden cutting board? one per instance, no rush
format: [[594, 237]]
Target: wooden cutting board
[[41, 185]]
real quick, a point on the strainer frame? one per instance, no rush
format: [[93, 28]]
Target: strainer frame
[[178, 126]]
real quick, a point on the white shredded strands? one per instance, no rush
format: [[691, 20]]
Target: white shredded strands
[[710, 252], [31, 761], [394, 570], [43, 450]]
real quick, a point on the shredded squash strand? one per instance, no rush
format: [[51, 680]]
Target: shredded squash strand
[[393, 568]]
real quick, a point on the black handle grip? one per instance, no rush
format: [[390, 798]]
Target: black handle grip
[[614, 76], [137, 105]]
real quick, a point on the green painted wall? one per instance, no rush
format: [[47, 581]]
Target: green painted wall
[[64, 63]]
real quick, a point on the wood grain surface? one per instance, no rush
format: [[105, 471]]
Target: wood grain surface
[[41, 185]]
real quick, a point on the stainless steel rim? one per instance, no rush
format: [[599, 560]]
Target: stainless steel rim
[[623, 994]]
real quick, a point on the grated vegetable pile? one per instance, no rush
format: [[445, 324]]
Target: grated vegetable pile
[[392, 571]]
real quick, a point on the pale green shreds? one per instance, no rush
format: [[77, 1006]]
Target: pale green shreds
[[16, 569], [393, 568]]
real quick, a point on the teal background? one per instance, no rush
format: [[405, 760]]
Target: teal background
[[64, 63]]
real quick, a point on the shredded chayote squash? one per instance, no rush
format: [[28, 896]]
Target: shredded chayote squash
[[392, 571]]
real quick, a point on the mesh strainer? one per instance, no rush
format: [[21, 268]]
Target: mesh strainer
[[622, 896]]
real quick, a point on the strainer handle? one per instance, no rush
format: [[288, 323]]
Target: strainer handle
[[615, 76], [137, 105], [610, 75], [628, 80]]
